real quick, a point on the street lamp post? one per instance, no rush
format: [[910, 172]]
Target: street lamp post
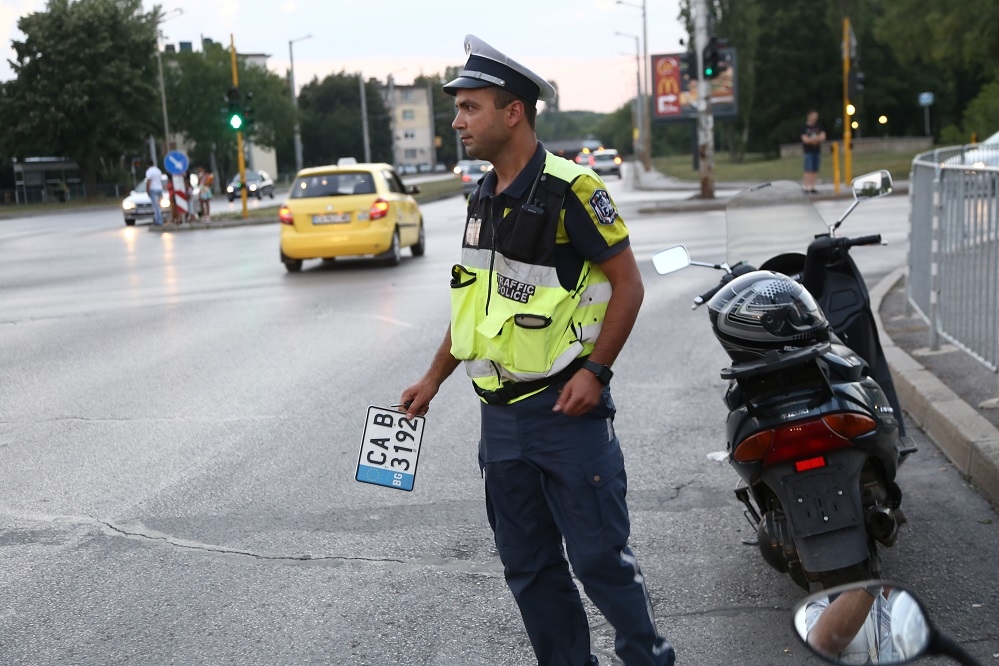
[[159, 63], [294, 101], [638, 94], [646, 129]]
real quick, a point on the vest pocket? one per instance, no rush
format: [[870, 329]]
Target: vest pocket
[[463, 297], [525, 342]]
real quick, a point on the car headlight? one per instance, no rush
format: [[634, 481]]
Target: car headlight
[[229, 189], [128, 204], [165, 201], [253, 188]]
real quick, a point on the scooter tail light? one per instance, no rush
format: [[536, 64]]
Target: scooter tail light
[[850, 425], [802, 440], [754, 447], [805, 440]]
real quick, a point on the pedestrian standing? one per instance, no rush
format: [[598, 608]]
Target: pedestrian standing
[[205, 181], [542, 302], [812, 137], [154, 188]]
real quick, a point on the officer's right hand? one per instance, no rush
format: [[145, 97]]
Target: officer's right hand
[[416, 399]]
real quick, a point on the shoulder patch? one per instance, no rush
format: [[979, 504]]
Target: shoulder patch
[[602, 207]]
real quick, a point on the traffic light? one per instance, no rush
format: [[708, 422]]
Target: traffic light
[[248, 115], [234, 115], [855, 83], [711, 58]]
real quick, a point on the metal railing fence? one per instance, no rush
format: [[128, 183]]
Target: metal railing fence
[[953, 280]]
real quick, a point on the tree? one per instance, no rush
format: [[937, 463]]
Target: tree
[[950, 46], [85, 85], [332, 124]]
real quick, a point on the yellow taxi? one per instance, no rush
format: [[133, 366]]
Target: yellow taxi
[[350, 209]]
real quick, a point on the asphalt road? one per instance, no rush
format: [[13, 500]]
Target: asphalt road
[[180, 422]]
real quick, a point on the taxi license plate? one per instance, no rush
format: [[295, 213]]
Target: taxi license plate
[[334, 218], [390, 449]]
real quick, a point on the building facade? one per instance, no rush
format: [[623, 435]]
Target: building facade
[[411, 115]]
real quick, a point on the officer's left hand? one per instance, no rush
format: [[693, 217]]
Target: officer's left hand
[[580, 394]]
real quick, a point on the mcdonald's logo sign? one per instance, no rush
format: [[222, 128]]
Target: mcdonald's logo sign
[[668, 74]]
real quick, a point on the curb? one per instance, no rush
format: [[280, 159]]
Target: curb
[[218, 224], [969, 440], [694, 203]]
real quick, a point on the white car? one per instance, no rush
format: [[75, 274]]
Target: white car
[[137, 204], [259, 185], [983, 154]]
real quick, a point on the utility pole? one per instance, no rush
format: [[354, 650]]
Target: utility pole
[[645, 129], [847, 107], [364, 121], [391, 107], [705, 120]]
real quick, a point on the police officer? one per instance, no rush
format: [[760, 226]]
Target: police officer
[[543, 300]]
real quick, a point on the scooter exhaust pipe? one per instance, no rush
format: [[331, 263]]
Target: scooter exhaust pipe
[[882, 524]]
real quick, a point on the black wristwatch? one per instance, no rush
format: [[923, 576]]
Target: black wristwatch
[[602, 372]]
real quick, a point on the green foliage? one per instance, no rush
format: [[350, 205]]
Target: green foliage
[[85, 85], [981, 118], [948, 48], [566, 125], [798, 67], [332, 120], [615, 129]]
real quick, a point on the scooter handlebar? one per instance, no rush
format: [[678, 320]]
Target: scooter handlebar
[[703, 298], [740, 268], [865, 240]]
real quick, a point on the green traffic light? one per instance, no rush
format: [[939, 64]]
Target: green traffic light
[[235, 121], [708, 72]]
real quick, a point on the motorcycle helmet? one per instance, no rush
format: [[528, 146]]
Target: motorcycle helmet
[[762, 311]]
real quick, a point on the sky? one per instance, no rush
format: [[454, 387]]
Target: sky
[[572, 42]]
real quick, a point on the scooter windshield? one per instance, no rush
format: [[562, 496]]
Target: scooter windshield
[[770, 219]]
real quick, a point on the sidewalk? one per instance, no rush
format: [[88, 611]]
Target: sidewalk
[[941, 391]]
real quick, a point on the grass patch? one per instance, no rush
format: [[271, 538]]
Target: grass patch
[[757, 169], [438, 189]]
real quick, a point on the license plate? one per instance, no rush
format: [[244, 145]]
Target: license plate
[[390, 449], [820, 502], [334, 218]]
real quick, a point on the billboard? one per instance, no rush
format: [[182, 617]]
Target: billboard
[[674, 87]]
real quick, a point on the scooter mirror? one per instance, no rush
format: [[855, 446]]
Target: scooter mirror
[[871, 621], [671, 259], [871, 185]]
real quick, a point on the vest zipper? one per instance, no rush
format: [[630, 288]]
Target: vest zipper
[[492, 253]]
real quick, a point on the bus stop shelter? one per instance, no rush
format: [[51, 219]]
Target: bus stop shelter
[[43, 179]]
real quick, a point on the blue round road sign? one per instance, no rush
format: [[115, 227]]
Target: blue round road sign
[[175, 162]]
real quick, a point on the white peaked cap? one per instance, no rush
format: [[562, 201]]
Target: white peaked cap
[[486, 66]]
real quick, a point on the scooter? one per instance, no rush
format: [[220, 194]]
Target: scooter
[[814, 430], [908, 634]]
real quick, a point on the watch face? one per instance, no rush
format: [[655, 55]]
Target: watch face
[[602, 372]]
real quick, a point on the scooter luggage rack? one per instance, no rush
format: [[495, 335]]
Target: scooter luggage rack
[[775, 361], [766, 387]]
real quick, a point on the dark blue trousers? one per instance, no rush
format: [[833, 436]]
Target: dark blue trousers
[[549, 478]]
